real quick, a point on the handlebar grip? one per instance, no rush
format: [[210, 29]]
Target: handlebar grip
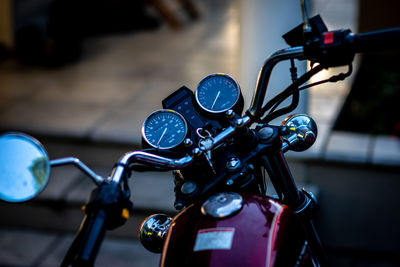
[[87, 242], [94, 228], [375, 41]]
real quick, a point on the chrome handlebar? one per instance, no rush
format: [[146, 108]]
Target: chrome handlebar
[[302, 133], [147, 158], [173, 164], [265, 74], [97, 179]]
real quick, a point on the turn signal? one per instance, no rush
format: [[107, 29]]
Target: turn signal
[[153, 231]]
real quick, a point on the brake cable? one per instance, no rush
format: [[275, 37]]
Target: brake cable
[[334, 78], [290, 90]]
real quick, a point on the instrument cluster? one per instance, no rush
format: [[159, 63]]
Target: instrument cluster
[[185, 112]]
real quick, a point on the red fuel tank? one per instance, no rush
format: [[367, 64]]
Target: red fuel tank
[[262, 232]]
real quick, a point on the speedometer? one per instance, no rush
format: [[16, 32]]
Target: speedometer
[[164, 129], [217, 93]]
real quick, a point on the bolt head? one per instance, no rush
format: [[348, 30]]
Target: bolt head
[[233, 163], [265, 133], [188, 187], [239, 123], [230, 114], [196, 152], [188, 142]]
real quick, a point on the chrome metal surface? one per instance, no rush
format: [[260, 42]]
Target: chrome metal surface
[[155, 160], [24, 167], [304, 13], [196, 152], [147, 158], [239, 123], [228, 132], [285, 147], [200, 133], [159, 161], [229, 182], [222, 205], [188, 187], [188, 142], [265, 133], [230, 114], [206, 144], [97, 179], [233, 164], [205, 79], [265, 73], [302, 132], [153, 231]]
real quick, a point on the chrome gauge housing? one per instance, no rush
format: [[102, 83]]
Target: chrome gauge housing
[[217, 93], [164, 129]]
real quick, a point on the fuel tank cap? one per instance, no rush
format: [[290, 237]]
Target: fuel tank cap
[[222, 205]]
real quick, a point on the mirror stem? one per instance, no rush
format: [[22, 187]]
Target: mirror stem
[[97, 179], [306, 26]]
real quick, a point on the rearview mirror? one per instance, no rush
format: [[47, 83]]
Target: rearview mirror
[[24, 167]]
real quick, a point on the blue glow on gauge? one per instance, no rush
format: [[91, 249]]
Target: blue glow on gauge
[[164, 129], [217, 93]]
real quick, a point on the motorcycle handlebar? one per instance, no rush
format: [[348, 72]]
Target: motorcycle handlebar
[[375, 41], [169, 163]]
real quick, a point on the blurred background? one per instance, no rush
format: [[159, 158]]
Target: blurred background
[[81, 76]]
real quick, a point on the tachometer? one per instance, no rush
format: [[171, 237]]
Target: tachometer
[[164, 129], [216, 93]]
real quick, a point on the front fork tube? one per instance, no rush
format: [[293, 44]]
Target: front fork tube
[[300, 202]]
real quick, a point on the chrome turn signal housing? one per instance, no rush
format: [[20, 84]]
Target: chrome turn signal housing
[[153, 231], [302, 132]]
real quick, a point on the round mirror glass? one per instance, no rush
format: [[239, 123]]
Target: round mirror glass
[[24, 167]]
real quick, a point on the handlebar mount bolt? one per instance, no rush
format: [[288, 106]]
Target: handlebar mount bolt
[[188, 188], [188, 142], [265, 133], [230, 114], [196, 152], [233, 164], [239, 123]]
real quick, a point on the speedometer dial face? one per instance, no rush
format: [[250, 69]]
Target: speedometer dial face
[[217, 93], [164, 129]]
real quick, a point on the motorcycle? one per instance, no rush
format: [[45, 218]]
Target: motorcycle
[[220, 160]]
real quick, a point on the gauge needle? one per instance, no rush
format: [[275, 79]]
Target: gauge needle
[[162, 136], [216, 98]]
